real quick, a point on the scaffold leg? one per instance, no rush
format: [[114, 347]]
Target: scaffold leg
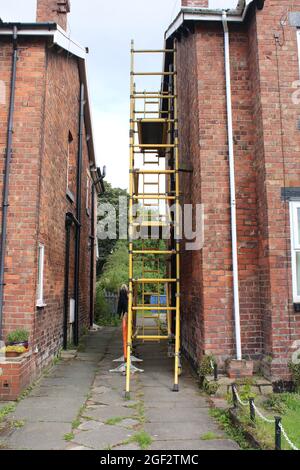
[[133, 359]]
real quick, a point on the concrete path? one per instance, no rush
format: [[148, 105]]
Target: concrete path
[[80, 405]]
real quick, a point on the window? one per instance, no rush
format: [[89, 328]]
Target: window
[[298, 41], [40, 277], [71, 168], [88, 193], [295, 241]]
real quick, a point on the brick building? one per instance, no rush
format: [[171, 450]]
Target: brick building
[[263, 58], [49, 182]]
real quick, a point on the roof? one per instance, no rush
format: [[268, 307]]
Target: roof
[[188, 15], [59, 37], [236, 15]]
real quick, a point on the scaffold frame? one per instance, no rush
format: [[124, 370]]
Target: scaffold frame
[[160, 260]]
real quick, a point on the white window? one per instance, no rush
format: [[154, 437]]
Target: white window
[[295, 241], [298, 41], [88, 192], [71, 167], [40, 277]]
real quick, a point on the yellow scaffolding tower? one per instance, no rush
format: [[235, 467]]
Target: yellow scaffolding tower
[[154, 187]]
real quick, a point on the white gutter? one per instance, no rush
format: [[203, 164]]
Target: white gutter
[[58, 35], [205, 14], [232, 192]]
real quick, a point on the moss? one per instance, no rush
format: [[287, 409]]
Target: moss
[[209, 436]]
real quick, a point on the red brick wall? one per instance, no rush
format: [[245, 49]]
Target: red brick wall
[[61, 117], [194, 3], [46, 109], [53, 11], [15, 376], [279, 68], [20, 262], [191, 262], [211, 305]]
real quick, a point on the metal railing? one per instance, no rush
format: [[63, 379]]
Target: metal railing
[[255, 412]]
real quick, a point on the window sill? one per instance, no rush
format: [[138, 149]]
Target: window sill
[[41, 304]]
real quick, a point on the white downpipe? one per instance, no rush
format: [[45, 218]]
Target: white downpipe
[[232, 193]]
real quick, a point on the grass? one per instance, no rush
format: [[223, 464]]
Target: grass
[[6, 410], [209, 436], [140, 412], [69, 437], [114, 421], [143, 439], [108, 319], [76, 423], [286, 405], [56, 360], [234, 433], [17, 424]]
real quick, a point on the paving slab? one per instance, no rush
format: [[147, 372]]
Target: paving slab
[[175, 421], [127, 447], [178, 431], [103, 413], [60, 410], [75, 447], [89, 426], [128, 423], [217, 444], [175, 415], [108, 437], [54, 403], [39, 436]]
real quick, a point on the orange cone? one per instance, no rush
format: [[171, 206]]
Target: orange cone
[[124, 324]]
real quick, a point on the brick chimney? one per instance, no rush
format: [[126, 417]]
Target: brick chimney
[[194, 3], [53, 11]]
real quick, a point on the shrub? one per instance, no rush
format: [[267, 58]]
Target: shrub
[[210, 388], [275, 403], [295, 370], [103, 314], [206, 366], [17, 336]]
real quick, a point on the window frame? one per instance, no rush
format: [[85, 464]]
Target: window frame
[[295, 245], [298, 43], [88, 199], [69, 191], [40, 276]]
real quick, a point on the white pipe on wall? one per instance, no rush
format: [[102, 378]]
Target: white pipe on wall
[[232, 192]]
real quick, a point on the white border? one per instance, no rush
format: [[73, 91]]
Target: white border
[[295, 247]]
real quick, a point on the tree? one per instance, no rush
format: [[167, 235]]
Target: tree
[[106, 247]]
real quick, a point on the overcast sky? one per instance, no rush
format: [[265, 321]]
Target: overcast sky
[[107, 27]]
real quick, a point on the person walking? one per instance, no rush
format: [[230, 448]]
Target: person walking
[[123, 301]]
